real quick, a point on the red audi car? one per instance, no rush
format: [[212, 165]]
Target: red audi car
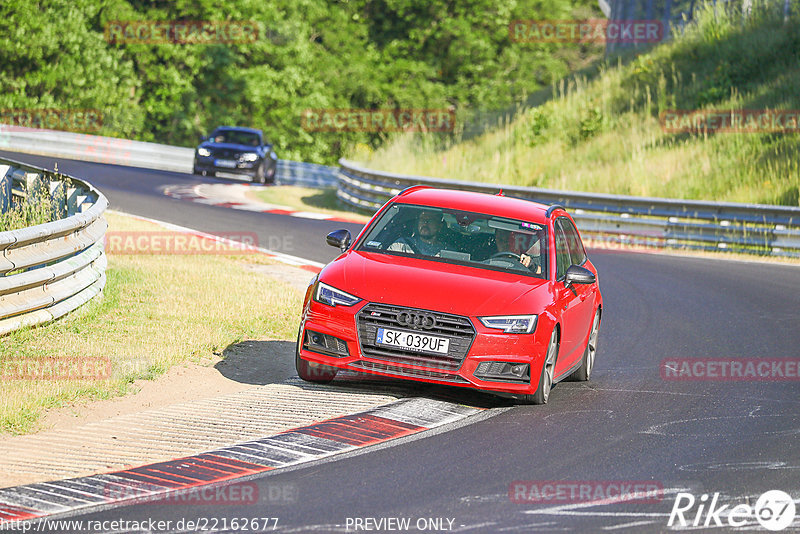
[[457, 288]]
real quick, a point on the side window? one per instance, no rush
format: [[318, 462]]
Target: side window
[[562, 252], [576, 250]]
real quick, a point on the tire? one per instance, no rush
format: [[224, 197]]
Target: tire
[[259, 178], [270, 177], [312, 372], [584, 372], [548, 371]]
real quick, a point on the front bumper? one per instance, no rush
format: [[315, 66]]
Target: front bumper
[[488, 345], [245, 168]]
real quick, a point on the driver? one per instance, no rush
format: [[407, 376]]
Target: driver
[[426, 239]]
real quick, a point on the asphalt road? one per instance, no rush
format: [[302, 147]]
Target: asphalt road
[[628, 424], [141, 192]]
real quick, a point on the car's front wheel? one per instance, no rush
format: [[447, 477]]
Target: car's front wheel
[[259, 178], [310, 371], [546, 376], [584, 372]]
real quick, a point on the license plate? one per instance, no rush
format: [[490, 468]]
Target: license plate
[[227, 163], [412, 341]]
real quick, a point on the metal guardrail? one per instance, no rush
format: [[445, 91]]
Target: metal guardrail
[[116, 151], [49, 269], [305, 174], [652, 222]]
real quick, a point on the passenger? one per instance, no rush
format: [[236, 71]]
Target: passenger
[[525, 245]]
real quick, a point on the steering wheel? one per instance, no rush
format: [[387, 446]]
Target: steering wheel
[[517, 257]]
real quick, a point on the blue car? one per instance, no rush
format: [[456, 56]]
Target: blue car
[[239, 151]]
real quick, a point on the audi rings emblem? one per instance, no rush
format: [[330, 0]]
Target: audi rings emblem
[[416, 320]]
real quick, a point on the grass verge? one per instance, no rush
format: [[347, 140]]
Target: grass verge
[[604, 134], [156, 311]]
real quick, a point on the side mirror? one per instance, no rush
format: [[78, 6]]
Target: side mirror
[[339, 238], [579, 275]]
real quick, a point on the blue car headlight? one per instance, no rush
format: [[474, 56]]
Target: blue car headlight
[[203, 152], [334, 297], [249, 156], [511, 324]]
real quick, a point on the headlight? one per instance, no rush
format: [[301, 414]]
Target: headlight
[[249, 156], [334, 297], [203, 152], [511, 324]]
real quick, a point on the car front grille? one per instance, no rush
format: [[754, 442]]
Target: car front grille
[[225, 153], [457, 329]]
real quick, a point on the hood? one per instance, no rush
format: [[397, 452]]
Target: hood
[[432, 285]]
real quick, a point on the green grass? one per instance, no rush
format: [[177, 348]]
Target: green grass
[[38, 207], [601, 133], [156, 311]]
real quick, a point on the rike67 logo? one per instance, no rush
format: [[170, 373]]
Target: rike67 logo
[[774, 510]]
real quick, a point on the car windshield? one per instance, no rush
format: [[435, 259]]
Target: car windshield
[[460, 237], [235, 137]]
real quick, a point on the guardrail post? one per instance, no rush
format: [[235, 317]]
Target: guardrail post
[[5, 188], [72, 200], [33, 186], [58, 199]]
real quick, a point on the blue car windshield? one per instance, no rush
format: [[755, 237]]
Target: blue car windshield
[[235, 137], [460, 237]]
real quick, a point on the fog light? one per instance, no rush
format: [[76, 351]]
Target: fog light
[[503, 371], [518, 370], [325, 344]]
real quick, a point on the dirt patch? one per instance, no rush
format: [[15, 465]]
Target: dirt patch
[[182, 383]]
